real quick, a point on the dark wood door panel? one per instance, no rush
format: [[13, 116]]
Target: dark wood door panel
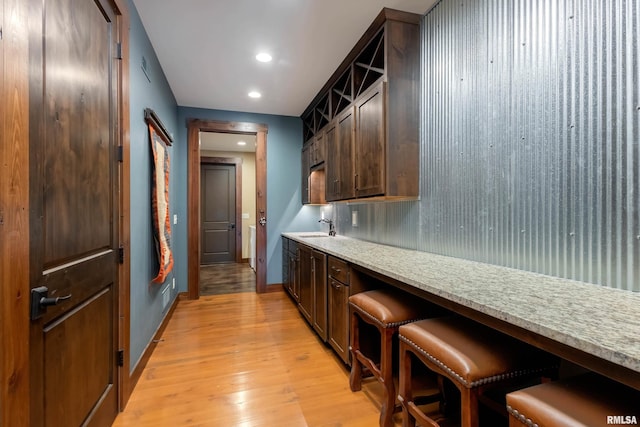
[[78, 130], [82, 279], [82, 341], [75, 211]]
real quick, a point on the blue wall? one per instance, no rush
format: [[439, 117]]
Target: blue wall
[[147, 310], [284, 207]]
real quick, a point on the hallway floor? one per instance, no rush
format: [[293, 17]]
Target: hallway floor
[[231, 278], [246, 360]]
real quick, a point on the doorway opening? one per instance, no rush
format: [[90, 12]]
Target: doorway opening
[[227, 213], [211, 168]]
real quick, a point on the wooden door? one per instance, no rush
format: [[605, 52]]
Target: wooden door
[[74, 222], [218, 213], [370, 143]]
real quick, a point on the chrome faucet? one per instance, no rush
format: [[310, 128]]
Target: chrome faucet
[[332, 230]]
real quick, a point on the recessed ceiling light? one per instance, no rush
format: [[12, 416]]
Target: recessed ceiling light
[[255, 94], [264, 57], [242, 143]]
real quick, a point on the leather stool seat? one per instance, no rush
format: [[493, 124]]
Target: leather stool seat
[[474, 357], [386, 309], [584, 400]]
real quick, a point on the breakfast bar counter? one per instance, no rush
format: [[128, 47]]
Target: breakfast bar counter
[[591, 325]]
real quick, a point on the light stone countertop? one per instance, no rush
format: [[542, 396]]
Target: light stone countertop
[[597, 320]]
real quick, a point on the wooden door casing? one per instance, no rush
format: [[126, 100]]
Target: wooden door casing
[[75, 212], [194, 127], [14, 213], [218, 213]]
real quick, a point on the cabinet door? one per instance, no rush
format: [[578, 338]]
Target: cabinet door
[[320, 294], [305, 277], [331, 166], [339, 318], [295, 274], [370, 147], [344, 156], [291, 283], [317, 156], [306, 160]]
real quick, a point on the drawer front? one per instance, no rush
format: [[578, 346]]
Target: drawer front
[[339, 270]]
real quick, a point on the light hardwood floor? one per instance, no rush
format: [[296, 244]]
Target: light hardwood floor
[[246, 360]]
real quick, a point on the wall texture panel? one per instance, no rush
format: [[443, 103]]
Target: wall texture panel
[[530, 151]]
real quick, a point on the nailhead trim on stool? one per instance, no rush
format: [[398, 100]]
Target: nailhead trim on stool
[[483, 381]]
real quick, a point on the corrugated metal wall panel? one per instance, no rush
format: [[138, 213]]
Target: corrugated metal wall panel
[[530, 140], [392, 224]]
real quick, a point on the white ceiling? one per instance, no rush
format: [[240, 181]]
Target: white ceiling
[[207, 48]]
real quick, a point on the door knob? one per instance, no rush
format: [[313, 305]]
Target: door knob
[[262, 221]]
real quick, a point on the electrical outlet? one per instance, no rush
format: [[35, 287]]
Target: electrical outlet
[[354, 218], [173, 285], [175, 219]]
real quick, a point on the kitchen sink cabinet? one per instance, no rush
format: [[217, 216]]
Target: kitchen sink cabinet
[[305, 265], [312, 301], [290, 268]]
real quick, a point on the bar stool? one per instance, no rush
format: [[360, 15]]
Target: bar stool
[[473, 357], [385, 309], [583, 400]]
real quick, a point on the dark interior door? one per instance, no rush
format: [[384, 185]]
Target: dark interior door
[[218, 205], [74, 194]]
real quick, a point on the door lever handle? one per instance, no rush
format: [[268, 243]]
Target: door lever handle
[[40, 301], [45, 302], [263, 221]]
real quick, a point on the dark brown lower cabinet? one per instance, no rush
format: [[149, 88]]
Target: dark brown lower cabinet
[[319, 271], [312, 301], [305, 265], [338, 307], [290, 268]]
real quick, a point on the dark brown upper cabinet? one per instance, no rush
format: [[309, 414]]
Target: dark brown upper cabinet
[[366, 115]]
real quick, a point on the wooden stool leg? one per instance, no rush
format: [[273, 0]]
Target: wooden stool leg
[[386, 371], [405, 392], [355, 377], [469, 403]]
